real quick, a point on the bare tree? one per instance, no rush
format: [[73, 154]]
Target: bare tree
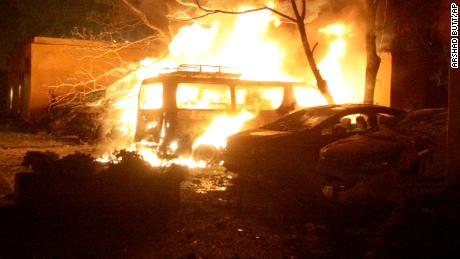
[[373, 60], [164, 36], [102, 53]]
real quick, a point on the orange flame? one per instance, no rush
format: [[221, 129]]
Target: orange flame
[[247, 47], [332, 66], [222, 127]]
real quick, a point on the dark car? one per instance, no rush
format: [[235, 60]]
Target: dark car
[[293, 142]]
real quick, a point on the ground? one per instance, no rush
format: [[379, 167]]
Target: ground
[[15, 144], [216, 220]]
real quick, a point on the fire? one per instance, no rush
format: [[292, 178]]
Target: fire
[[246, 46], [191, 97], [248, 49], [192, 43], [308, 96], [332, 66], [145, 150], [343, 71], [222, 127], [128, 107]]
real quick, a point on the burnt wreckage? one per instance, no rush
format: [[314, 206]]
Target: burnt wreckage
[[178, 106]]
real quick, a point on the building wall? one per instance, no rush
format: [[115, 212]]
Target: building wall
[[4, 90], [419, 60], [382, 93], [17, 105], [50, 67]]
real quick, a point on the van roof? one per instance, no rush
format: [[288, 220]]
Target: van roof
[[211, 74]]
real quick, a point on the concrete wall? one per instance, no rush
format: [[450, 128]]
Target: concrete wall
[[50, 67]]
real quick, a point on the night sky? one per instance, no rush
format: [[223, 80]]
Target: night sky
[[20, 20], [8, 28]]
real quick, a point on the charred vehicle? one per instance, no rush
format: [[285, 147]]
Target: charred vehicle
[[177, 107], [293, 142], [78, 114], [414, 146]]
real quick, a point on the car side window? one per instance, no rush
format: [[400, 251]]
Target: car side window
[[349, 124], [356, 122]]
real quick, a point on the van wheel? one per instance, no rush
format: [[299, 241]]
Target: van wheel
[[204, 153]]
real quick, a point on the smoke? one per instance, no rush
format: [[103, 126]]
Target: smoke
[[156, 12], [314, 8]]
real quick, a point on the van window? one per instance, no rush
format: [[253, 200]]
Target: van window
[[203, 96], [151, 96], [254, 97]]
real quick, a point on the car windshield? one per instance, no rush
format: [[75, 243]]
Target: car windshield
[[301, 120]]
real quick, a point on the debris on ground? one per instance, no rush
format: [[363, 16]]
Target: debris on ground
[[258, 217]]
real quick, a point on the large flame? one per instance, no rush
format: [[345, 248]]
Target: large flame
[[333, 66], [245, 46], [222, 127]]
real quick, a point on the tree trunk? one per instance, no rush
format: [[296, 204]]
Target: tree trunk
[[321, 83], [373, 60]]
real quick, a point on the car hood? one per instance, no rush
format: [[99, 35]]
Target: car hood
[[258, 138], [358, 152]]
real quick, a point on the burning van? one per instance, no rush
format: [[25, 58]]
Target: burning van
[[176, 109]]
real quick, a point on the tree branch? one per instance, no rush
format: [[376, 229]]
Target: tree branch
[[214, 11], [314, 47], [190, 19], [146, 21], [304, 9], [115, 48], [296, 11]]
